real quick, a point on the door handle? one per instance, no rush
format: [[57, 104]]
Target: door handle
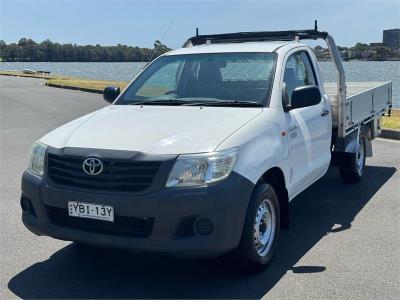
[[325, 112]]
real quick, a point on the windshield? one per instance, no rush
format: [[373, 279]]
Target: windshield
[[204, 79]]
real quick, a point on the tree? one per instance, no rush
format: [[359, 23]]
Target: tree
[[360, 47], [382, 53], [22, 42], [28, 50], [3, 46]]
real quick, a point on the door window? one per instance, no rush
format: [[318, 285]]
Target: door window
[[298, 72]]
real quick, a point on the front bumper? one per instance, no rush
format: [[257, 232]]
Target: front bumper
[[223, 204]]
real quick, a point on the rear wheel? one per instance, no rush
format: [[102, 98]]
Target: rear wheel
[[351, 171], [261, 228]]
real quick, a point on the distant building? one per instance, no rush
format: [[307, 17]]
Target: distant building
[[391, 38], [376, 44]]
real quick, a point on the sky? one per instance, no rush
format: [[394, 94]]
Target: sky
[[140, 23]]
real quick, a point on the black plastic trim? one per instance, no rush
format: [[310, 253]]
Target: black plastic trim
[[240, 37], [224, 204]]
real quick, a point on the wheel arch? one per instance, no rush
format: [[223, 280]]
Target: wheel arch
[[276, 177]]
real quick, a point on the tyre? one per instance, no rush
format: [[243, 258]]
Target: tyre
[[261, 228], [351, 170]]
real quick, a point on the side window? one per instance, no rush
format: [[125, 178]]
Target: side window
[[298, 72], [310, 75]]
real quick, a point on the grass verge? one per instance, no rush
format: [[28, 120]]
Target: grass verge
[[70, 81], [392, 122], [85, 83]]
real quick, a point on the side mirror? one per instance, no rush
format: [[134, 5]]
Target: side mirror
[[304, 96], [111, 93]]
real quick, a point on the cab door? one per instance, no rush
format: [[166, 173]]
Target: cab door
[[309, 129]]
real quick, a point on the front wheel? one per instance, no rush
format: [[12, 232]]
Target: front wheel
[[352, 170], [261, 228]]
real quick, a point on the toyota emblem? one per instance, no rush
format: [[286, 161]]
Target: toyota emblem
[[92, 166]]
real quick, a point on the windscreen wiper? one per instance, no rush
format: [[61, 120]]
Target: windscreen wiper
[[227, 103], [198, 103], [162, 102]]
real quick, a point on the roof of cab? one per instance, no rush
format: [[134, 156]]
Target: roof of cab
[[231, 47]]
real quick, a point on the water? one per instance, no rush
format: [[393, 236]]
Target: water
[[368, 71], [118, 71], [125, 71]]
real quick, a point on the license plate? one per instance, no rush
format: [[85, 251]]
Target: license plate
[[91, 211]]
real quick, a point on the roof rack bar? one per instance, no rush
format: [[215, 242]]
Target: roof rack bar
[[240, 37]]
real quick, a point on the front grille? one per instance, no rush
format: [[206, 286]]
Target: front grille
[[122, 226], [117, 175]]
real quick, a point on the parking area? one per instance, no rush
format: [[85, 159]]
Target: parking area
[[343, 242]]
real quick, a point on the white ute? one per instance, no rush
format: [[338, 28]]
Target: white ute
[[202, 152]]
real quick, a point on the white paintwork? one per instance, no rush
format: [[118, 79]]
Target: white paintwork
[[261, 145], [152, 129], [309, 151], [261, 135]]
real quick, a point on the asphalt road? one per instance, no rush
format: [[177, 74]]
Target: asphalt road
[[343, 242]]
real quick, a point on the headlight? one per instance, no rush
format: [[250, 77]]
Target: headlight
[[36, 163], [202, 169]]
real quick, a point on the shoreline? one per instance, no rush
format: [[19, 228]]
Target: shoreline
[[390, 125], [75, 83]]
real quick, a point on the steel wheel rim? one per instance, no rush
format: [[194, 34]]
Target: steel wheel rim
[[264, 227], [360, 157]]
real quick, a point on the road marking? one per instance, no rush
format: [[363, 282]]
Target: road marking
[[387, 140]]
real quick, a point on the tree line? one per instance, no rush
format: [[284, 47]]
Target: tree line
[[27, 50], [361, 51]]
